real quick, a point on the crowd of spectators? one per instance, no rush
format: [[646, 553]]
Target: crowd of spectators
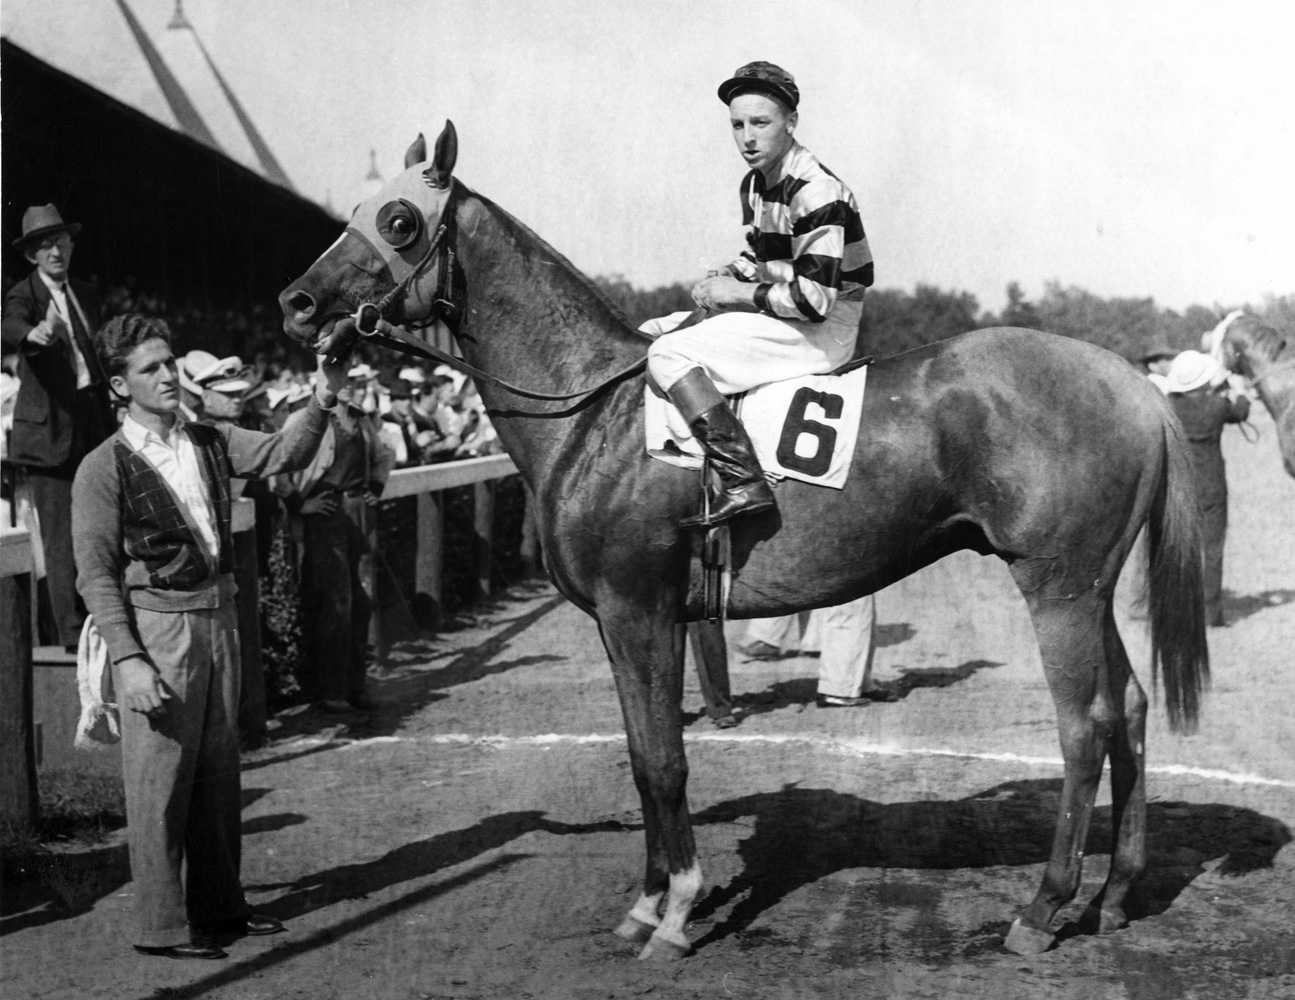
[[323, 532]]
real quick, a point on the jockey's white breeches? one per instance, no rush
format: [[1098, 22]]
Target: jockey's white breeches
[[741, 350]]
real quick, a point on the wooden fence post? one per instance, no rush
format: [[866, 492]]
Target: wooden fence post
[[19, 802], [428, 591]]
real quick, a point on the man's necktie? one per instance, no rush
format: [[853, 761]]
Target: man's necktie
[[83, 341]]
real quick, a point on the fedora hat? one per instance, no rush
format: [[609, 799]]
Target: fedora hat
[[764, 78], [1191, 370], [1156, 351], [40, 221]]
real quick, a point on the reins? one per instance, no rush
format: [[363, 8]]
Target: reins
[[371, 321]]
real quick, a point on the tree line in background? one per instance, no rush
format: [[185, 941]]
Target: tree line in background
[[895, 321]]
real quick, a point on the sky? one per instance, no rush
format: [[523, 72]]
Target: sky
[[1128, 148]]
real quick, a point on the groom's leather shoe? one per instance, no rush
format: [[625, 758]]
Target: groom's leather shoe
[[194, 949], [258, 924], [252, 925]]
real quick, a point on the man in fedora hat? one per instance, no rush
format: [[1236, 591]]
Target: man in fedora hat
[[63, 409], [788, 305]]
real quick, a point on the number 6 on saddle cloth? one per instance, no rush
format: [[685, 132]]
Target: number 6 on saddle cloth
[[804, 428]]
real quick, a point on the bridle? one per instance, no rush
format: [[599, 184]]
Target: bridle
[[372, 319]]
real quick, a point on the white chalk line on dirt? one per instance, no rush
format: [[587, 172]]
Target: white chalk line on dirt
[[854, 747]]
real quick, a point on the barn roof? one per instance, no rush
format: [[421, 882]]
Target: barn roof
[[129, 50]]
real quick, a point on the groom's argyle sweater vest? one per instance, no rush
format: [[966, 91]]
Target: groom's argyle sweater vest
[[154, 528]]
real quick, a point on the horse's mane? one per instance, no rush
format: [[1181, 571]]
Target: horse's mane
[[1265, 342], [572, 275]]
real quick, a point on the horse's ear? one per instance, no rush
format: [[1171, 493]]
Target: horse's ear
[[417, 151], [447, 151]]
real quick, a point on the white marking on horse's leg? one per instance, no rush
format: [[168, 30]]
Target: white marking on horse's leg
[[643, 918], [669, 940]]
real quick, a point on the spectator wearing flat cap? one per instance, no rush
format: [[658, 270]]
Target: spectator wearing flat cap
[[63, 409], [331, 501], [1195, 385], [789, 304]]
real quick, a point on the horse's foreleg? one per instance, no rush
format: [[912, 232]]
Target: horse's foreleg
[[649, 679], [1128, 789], [1074, 659], [644, 916]]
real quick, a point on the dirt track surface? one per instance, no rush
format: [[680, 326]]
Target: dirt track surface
[[480, 835]]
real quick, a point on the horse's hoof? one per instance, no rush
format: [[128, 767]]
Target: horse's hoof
[[664, 950], [1027, 940], [635, 930]]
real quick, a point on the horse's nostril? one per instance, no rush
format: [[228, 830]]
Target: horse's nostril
[[302, 304]]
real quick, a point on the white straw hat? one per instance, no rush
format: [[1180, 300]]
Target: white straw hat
[[200, 369], [1191, 370]]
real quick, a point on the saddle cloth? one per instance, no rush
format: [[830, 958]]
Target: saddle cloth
[[804, 428]]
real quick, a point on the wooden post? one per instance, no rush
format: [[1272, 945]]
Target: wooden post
[[19, 804], [428, 591], [251, 704], [484, 527]]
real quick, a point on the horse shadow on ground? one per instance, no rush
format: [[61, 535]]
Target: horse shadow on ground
[[1239, 606], [801, 835], [417, 671], [804, 690]]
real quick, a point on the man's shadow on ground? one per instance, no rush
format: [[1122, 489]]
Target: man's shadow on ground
[[801, 835], [417, 672], [44, 886], [416, 860]]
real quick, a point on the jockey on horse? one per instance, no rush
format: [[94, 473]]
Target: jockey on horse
[[788, 306]]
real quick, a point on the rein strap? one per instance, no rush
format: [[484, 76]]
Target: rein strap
[[399, 339]]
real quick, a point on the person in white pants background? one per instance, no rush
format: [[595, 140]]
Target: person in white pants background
[[845, 635]]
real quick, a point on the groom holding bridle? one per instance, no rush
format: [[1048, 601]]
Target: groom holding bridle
[[788, 306]]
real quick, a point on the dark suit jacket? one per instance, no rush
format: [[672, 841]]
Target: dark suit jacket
[[46, 405]]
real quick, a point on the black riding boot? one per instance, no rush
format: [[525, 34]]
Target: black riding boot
[[743, 486]]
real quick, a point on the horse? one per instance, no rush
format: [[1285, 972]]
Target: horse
[[1047, 452], [1265, 358]]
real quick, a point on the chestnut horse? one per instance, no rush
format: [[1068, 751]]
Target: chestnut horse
[[1047, 452]]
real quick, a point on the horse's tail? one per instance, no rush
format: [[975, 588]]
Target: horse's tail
[[1176, 585]]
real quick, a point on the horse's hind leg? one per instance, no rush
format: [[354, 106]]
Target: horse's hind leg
[[1128, 787], [1071, 639]]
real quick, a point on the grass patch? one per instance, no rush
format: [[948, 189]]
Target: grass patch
[[75, 806]]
